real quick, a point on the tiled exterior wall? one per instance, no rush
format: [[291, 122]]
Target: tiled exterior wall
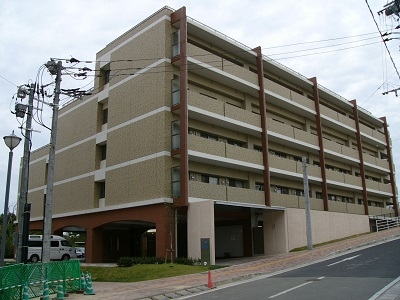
[[78, 125], [39, 169], [126, 101], [145, 180], [76, 161], [75, 195], [142, 138]]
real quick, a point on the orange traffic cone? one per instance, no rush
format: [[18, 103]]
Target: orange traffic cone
[[210, 284]]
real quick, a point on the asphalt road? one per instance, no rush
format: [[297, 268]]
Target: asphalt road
[[356, 275]]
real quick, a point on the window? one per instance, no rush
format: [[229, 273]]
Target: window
[[102, 190], [175, 43], [209, 136], [65, 244], [105, 116], [35, 244], [103, 149], [299, 193], [259, 186], [175, 90], [176, 181], [257, 148], [318, 195], [175, 135], [281, 190], [209, 179], [236, 183], [235, 143], [104, 75]]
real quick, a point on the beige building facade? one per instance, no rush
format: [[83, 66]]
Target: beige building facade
[[193, 143]]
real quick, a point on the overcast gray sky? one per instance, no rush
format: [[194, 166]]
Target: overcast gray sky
[[32, 32]]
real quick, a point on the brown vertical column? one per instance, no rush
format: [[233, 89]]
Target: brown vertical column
[[320, 143], [264, 133], [94, 246], [360, 155], [390, 161], [180, 16]]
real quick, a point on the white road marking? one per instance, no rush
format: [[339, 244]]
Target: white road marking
[[293, 288], [338, 262]]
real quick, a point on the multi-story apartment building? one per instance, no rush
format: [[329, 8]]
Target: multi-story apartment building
[[191, 135]]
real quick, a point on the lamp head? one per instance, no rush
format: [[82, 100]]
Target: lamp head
[[12, 140]]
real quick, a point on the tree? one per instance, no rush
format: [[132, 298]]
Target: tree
[[11, 218]]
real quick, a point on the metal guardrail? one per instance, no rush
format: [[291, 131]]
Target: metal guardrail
[[14, 279], [387, 223]]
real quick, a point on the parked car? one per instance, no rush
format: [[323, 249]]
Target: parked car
[[60, 248]]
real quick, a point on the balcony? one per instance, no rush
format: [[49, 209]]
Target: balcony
[[213, 111], [208, 59], [225, 193], [203, 190], [289, 99], [343, 178], [375, 134], [284, 166], [294, 201], [287, 134], [337, 120], [341, 150], [235, 157], [378, 186], [235, 194], [376, 161]]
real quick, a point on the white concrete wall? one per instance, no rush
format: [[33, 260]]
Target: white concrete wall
[[275, 233], [326, 226], [200, 218], [284, 231]]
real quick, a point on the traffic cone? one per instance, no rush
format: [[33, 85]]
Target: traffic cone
[[60, 292], [46, 292], [210, 284], [89, 287], [83, 282], [25, 295]]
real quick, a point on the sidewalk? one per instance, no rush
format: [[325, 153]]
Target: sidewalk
[[241, 269]]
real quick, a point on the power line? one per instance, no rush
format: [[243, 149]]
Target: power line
[[8, 80], [377, 26], [329, 46], [320, 41]]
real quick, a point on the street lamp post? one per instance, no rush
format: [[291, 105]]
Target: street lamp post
[[11, 141]]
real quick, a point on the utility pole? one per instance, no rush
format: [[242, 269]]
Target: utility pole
[[307, 205], [55, 69], [23, 190]]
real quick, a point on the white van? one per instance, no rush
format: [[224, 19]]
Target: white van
[[60, 248]]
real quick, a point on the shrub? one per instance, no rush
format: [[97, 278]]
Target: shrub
[[130, 261], [188, 261], [125, 262]]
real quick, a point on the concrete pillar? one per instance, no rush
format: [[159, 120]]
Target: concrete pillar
[[200, 224]]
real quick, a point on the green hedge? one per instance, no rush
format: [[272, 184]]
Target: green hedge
[[130, 261]]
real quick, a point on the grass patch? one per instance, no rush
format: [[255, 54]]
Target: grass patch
[[142, 272], [329, 242]]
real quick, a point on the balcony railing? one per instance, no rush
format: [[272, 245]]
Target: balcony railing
[[293, 166], [343, 178], [373, 133], [223, 109], [221, 64], [225, 150], [376, 161], [291, 132], [225, 193]]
